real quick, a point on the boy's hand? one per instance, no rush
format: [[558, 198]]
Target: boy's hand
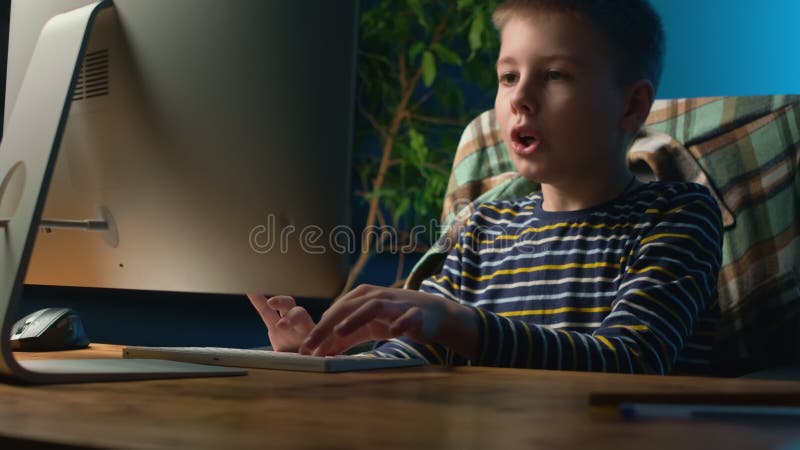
[[383, 313], [287, 324]]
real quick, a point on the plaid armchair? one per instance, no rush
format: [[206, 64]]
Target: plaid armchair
[[746, 151]]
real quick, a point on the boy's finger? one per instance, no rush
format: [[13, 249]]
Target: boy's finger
[[335, 345], [408, 324], [324, 328], [359, 291], [375, 309], [281, 303], [268, 315], [326, 347], [300, 319]]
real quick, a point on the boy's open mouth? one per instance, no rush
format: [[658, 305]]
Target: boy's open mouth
[[524, 142]]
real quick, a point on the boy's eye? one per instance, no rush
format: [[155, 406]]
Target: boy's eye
[[555, 75], [508, 78]]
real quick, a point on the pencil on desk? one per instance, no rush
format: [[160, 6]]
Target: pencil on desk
[[774, 398], [685, 411]]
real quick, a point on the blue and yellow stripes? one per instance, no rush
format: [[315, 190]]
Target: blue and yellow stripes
[[629, 287]]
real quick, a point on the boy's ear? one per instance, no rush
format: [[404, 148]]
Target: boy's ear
[[639, 99]]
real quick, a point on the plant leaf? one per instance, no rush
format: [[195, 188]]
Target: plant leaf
[[414, 51], [446, 55], [402, 208], [462, 4], [428, 68], [476, 33], [419, 12], [383, 192], [418, 147]]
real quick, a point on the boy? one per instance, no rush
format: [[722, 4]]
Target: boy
[[597, 271]]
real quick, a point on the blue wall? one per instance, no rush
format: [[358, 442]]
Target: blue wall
[[730, 47]]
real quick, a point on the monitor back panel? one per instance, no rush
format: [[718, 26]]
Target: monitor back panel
[[217, 141]]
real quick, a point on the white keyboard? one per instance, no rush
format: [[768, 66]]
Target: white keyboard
[[267, 359]]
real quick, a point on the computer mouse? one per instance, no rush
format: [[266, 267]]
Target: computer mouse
[[49, 329]]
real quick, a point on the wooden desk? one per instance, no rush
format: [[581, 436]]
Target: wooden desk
[[462, 408]]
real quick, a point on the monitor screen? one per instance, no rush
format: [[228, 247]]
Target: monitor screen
[[212, 136]]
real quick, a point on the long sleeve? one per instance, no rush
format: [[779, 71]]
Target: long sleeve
[[626, 287], [668, 280], [444, 284]]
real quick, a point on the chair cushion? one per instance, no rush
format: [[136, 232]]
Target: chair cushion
[[749, 147]]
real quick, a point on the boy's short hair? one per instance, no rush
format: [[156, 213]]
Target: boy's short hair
[[632, 27]]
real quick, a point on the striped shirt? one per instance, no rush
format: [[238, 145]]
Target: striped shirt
[[627, 286]]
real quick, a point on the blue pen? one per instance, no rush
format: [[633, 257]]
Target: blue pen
[[686, 411]]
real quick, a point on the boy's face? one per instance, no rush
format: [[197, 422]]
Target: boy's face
[[558, 104]]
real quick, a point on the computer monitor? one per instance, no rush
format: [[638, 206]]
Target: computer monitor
[[212, 136]]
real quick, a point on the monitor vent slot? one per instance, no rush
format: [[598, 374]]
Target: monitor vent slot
[[93, 76]]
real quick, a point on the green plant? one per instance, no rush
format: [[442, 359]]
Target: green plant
[[416, 58]]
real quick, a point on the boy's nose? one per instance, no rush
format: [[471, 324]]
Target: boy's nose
[[522, 100]]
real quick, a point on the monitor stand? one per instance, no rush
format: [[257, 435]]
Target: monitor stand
[[28, 154]]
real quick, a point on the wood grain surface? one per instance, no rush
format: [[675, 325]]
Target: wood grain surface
[[429, 407]]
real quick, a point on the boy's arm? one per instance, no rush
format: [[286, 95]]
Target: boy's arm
[[445, 284], [463, 334], [669, 282]]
